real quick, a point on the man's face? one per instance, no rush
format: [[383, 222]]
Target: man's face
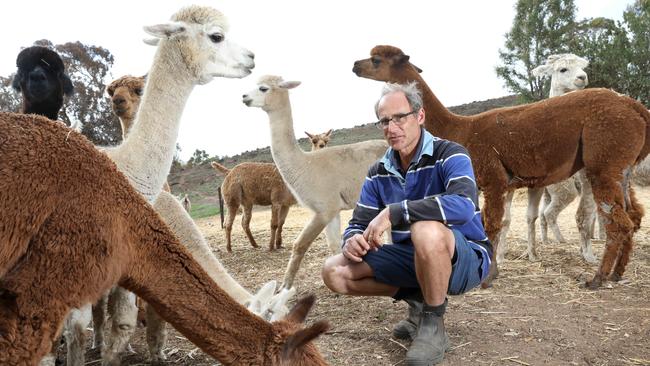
[[402, 134]]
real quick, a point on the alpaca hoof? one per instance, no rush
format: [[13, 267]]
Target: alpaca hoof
[[532, 257], [590, 258], [615, 277], [594, 284], [158, 359]]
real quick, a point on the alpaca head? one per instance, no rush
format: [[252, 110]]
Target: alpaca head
[[386, 63], [292, 344], [319, 141], [199, 33], [42, 81], [271, 92], [566, 73], [125, 94]]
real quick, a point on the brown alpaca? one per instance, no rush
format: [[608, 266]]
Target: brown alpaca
[[541, 143], [249, 184], [59, 251], [125, 93], [261, 184]]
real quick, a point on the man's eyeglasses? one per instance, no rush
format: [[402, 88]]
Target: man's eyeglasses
[[399, 119]]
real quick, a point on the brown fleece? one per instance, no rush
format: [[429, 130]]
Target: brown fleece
[[72, 226], [249, 184], [541, 143]]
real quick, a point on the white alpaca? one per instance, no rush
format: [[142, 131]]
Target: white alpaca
[[192, 50], [567, 74], [325, 181]]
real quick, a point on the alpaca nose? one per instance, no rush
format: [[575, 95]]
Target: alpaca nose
[[37, 75], [244, 96], [582, 77], [118, 100]]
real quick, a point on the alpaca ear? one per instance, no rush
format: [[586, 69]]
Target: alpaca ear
[[151, 41], [543, 70], [68, 88], [165, 30], [289, 84], [299, 312], [300, 338], [309, 134], [328, 133]]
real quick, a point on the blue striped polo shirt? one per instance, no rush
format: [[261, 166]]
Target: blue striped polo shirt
[[438, 185]]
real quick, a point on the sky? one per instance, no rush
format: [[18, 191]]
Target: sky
[[455, 43]]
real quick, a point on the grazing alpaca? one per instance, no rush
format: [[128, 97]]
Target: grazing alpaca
[[542, 143], [249, 184], [125, 93], [325, 181], [567, 74], [320, 140], [42, 81], [58, 251]]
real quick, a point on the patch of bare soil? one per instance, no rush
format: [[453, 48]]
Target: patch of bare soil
[[537, 313]]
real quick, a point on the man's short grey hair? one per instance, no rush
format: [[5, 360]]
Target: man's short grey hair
[[410, 90]]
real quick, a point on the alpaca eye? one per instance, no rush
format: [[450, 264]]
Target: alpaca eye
[[564, 69], [375, 61], [138, 91], [264, 89], [216, 37]]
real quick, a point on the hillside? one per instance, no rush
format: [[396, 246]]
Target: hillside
[[201, 181]]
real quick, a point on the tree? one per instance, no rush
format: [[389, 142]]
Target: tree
[[199, 157], [88, 67], [637, 21], [540, 28]]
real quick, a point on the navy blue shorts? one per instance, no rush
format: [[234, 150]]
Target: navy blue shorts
[[394, 264]]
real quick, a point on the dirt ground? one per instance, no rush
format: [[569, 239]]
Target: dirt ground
[[535, 314]]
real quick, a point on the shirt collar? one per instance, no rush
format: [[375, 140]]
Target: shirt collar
[[425, 147]]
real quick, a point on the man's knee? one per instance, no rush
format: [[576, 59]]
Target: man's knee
[[431, 236], [332, 274]]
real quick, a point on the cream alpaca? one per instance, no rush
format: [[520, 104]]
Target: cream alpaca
[[325, 181]]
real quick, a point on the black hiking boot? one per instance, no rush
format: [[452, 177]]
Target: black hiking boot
[[431, 341], [407, 328]]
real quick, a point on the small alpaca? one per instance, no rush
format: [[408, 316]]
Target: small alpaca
[[320, 140], [567, 75], [58, 251], [325, 181], [597, 129], [42, 81], [249, 184], [187, 204]]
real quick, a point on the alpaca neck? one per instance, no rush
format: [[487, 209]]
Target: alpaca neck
[[146, 154], [556, 89], [184, 295], [284, 147], [439, 120], [126, 123], [49, 110]]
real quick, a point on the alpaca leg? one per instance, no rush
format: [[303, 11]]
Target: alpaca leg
[[601, 227], [608, 194], [635, 212], [232, 212], [275, 218], [75, 334], [246, 224], [123, 317], [333, 234], [543, 225], [534, 196], [503, 247], [99, 318], [282, 217], [156, 335], [301, 244], [562, 194], [585, 217], [493, 214]]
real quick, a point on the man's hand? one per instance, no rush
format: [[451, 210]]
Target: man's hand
[[376, 229], [355, 248]]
